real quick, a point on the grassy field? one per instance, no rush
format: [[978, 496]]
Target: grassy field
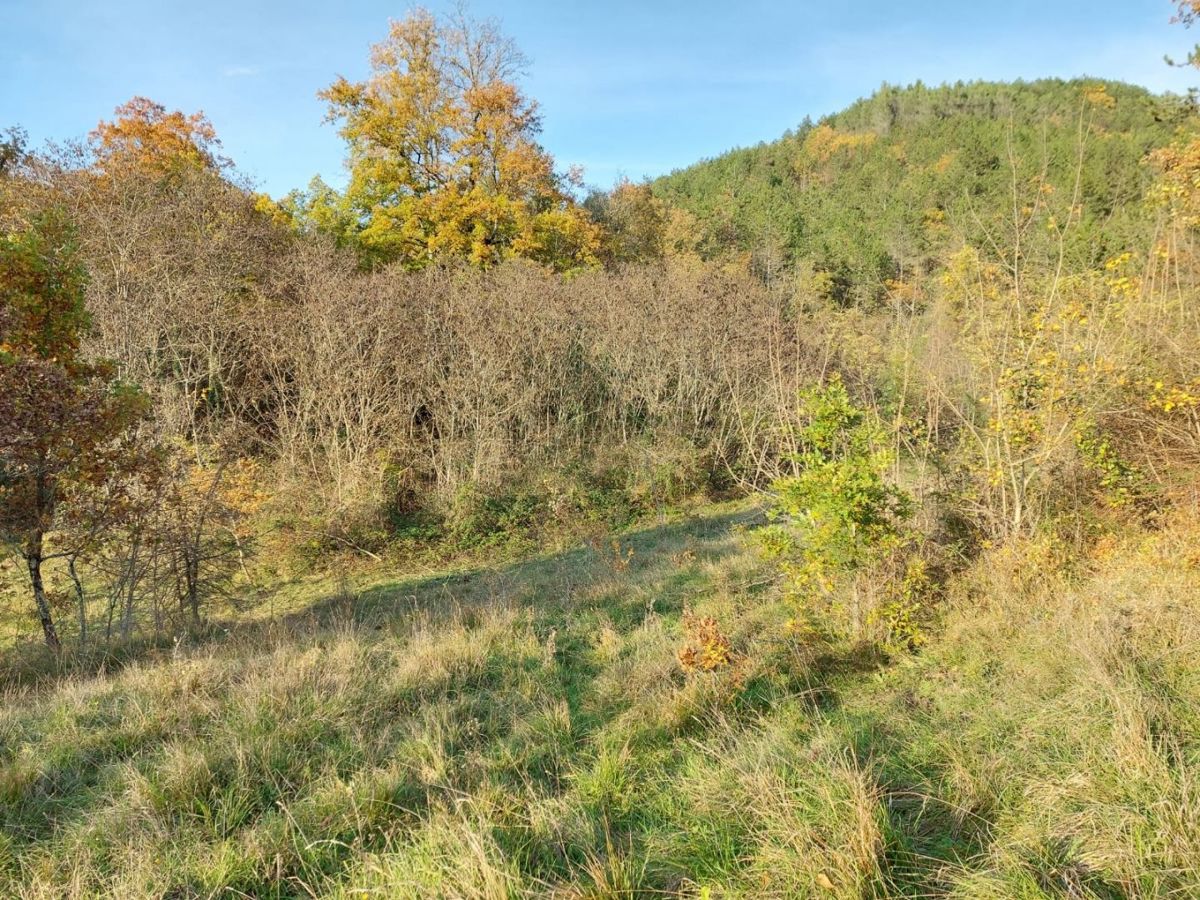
[[527, 731]]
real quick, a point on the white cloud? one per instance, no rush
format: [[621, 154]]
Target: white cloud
[[239, 71]]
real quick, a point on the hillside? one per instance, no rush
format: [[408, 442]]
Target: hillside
[[882, 189], [525, 731], [817, 521]]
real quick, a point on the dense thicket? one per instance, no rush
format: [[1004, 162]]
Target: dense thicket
[[999, 275]]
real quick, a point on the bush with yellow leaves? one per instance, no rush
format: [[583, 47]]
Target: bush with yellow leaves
[[708, 649]]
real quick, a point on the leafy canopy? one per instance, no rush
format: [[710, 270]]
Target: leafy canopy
[[444, 161], [145, 135], [880, 193]]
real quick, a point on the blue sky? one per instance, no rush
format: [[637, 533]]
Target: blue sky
[[626, 88]]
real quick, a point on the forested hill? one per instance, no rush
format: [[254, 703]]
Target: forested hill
[[881, 189]]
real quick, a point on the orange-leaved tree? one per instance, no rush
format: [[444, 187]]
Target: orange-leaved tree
[[68, 444], [444, 161], [145, 135]]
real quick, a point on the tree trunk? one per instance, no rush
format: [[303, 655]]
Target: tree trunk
[[194, 586], [33, 558], [81, 598]]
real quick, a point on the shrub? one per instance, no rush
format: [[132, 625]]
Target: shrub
[[1119, 483], [708, 648], [839, 507], [841, 531], [480, 518]]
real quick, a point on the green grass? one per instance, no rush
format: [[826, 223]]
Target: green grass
[[526, 731]]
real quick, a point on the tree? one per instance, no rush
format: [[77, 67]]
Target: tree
[[67, 426], [839, 501], [145, 135], [634, 220], [12, 149], [1187, 13], [319, 209], [444, 161]]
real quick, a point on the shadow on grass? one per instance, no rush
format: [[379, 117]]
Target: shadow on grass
[[550, 579], [77, 781], [932, 841]]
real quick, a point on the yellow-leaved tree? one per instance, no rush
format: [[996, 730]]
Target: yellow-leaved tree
[[444, 161]]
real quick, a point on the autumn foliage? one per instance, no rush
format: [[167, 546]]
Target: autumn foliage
[[145, 134], [66, 424], [1010, 347], [444, 161]]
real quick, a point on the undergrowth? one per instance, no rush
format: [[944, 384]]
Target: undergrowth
[[534, 729]]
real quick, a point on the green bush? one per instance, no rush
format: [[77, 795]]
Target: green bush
[[840, 508], [841, 531], [481, 518]]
